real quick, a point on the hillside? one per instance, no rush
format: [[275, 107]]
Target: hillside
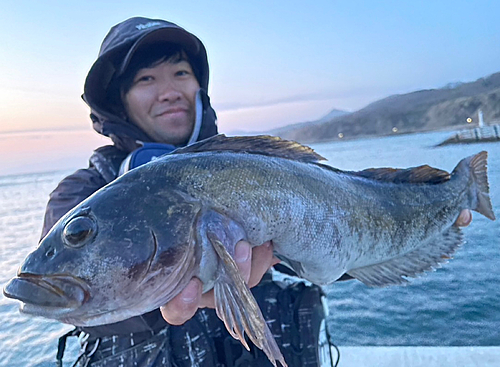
[[424, 110], [328, 117]]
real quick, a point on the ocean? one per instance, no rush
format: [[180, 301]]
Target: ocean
[[457, 305]]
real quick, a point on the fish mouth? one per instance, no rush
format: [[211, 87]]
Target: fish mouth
[[44, 295]]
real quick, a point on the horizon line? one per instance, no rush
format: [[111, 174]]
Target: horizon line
[[47, 130]]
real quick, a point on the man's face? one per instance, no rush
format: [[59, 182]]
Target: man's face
[[161, 101]]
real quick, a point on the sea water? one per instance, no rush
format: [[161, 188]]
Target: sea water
[[457, 305]]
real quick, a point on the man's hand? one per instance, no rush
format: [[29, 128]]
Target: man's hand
[[253, 263]]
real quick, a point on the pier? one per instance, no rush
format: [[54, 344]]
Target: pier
[[419, 356], [479, 134]]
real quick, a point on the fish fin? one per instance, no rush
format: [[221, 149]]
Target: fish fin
[[260, 144], [422, 174], [344, 277], [477, 166], [236, 306], [427, 257]]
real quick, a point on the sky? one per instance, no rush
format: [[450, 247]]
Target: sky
[[272, 63]]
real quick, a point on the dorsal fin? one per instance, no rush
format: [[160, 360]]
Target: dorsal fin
[[422, 174], [277, 147], [260, 144]]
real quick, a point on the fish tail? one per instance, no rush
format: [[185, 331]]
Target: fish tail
[[476, 165]]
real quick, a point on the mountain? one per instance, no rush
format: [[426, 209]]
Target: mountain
[[328, 117], [333, 114], [424, 110]]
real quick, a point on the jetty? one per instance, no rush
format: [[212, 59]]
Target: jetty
[[479, 134]]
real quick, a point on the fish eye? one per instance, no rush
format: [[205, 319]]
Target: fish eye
[[79, 231]]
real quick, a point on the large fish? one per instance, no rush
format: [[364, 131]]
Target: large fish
[[135, 244]]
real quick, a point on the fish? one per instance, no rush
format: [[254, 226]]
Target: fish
[[135, 244]]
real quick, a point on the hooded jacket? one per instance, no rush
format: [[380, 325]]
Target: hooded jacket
[[116, 52]]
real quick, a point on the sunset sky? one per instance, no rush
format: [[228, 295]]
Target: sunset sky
[[272, 62]]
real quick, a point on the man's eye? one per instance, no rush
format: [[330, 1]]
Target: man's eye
[[182, 72], [145, 78]]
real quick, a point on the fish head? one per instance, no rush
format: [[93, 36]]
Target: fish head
[[116, 255]]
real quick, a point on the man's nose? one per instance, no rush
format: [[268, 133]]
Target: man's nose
[[168, 92]]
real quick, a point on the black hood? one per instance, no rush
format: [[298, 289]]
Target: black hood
[[116, 51]]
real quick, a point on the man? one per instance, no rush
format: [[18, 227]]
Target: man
[[147, 92]]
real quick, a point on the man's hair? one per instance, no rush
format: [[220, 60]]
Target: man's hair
[[146, 57]]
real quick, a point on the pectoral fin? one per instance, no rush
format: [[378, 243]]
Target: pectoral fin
[[236, 306]]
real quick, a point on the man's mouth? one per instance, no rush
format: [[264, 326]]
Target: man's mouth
[[172, 111]]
